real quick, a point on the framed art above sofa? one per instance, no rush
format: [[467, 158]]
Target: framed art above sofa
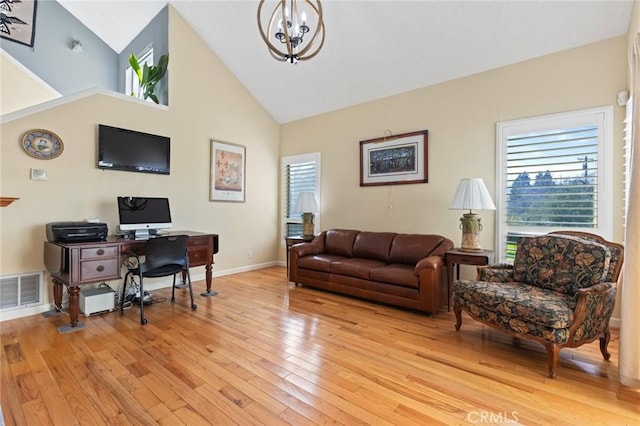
[[394, 159]]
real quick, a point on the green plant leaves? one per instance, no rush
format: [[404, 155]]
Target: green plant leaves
[[149, 76]]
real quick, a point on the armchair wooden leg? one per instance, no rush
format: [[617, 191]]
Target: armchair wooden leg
[[458, 311], [604, 342], [553, 353]]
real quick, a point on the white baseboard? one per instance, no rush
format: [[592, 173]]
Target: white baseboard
[[614, 323], [25, 312]]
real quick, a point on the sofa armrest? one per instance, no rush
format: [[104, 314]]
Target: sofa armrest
[[432, 278], [299, 250], [314, 246], [594, 306], [431, 262], [500, 272]]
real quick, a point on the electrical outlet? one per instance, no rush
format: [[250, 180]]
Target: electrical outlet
[[250, 254]]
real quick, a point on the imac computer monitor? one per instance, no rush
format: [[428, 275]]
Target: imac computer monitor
[[143, 215]]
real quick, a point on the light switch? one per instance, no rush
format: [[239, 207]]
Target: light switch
[[38, 174]]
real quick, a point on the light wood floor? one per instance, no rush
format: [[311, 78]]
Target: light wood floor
[[265, 352]]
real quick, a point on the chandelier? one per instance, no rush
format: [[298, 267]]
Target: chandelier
[[290, 36]]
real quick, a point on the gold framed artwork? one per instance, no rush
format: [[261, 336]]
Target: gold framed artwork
[[394, 159], [228, 169]]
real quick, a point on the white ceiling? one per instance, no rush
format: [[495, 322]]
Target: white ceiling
[[373, 49]]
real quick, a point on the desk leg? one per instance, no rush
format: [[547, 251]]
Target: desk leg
[[74, 305], [74, 310], [57, 295], [208, 277]]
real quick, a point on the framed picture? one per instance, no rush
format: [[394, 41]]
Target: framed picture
[[395, 159], [18, 21], [227, 171]]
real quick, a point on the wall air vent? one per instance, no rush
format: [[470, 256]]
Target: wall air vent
[[22, 290]]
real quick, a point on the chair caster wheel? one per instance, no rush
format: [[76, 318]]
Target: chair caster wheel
[[194, 307], [144, 321]]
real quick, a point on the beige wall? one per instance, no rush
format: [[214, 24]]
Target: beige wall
[[221, 109], [461, 117], [20, 89]]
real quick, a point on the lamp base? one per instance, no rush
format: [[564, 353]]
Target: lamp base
[[471, 227], [307, 225]]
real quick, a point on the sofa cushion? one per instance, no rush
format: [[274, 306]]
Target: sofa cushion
[[537, 305], [402, 275], [318, 262], [408, 249], [373, 245], [356, 267], [340, 241], [561, 263]]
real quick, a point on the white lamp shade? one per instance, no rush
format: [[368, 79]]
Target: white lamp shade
[[306, 203], [472, 194]]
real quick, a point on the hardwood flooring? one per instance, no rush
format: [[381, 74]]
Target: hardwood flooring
[[266, 352]]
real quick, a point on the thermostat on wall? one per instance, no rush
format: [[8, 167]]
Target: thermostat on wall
[[38, 174]]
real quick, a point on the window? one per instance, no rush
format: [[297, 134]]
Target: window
[[131, 82], [554, 172], [300, 173]]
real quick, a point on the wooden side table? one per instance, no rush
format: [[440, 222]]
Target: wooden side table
[[458, 257], [294, 239]]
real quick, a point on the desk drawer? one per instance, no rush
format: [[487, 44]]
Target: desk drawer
[[100, 269], [98, 252], [199, 256], [196, 243]]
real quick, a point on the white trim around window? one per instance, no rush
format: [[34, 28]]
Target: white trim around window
[[598, 122]]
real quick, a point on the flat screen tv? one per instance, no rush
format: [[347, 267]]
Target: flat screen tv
[[143, 215], [129, 150]]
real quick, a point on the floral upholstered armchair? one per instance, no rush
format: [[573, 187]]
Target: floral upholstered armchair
[[560, 292]]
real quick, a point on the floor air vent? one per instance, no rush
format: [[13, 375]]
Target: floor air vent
[[17, 291]]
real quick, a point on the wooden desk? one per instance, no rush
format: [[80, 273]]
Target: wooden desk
[[77, 264], [458, 257]]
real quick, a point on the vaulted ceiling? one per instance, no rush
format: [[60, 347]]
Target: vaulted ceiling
[[373, 49]]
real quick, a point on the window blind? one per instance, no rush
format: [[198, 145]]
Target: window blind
[[552, 178], [553, 172], [300, 173]]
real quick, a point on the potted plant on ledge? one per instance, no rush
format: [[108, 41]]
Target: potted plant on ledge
[[149, 76]]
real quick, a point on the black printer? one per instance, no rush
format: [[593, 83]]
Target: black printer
[[76, 232]]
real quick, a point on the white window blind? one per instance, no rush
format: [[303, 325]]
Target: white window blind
[[554, 175], [300, 173]]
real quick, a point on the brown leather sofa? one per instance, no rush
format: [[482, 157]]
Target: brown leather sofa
[[406, 270]]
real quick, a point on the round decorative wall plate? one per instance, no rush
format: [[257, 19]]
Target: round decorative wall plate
[[42, 144]]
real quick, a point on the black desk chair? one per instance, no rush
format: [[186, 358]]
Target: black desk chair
[[164, 256]]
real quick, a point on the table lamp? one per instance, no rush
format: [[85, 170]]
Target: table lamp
[[471, 194], [307, 205]]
